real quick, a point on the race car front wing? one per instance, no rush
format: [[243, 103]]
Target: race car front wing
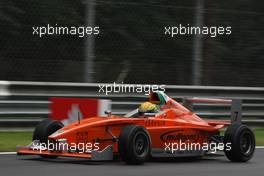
[[95, 155]]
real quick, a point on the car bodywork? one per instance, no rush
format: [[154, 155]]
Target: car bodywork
[[173, 122]]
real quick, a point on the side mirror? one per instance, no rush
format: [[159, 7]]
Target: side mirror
[[108, 113]]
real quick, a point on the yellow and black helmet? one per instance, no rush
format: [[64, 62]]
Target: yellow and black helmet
[[148, 107]]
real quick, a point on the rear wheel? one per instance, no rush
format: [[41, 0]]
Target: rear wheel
[[134, 144], [44, 129], [241, 140]]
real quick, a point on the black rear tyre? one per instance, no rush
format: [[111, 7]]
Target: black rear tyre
[[134, 144], [44, 129], [242, 143]]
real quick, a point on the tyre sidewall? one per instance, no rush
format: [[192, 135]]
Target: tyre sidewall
[[46, 128], [126, 144], [233, 135]]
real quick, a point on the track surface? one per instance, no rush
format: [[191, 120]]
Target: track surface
[[11, 165]]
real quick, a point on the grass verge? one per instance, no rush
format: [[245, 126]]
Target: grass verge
[[9, 140]]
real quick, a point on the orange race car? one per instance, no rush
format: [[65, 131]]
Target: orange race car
[[161, 127]]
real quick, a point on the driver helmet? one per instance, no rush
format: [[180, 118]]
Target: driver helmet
[[148, 107]]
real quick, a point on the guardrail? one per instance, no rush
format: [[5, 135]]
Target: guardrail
[[25, 103]]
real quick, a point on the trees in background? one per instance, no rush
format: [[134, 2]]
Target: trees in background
[[132, 46]]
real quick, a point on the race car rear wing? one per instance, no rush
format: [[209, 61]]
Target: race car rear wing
[[236, 106]]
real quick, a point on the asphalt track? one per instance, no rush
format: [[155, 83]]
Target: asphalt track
[[11, 165]]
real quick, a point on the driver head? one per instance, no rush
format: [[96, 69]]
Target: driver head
[[148, 107]]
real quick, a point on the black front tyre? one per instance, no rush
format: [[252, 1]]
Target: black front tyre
[[44, 129], [239, 143], [134, 144]]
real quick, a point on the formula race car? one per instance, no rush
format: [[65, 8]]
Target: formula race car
[[167, 129]]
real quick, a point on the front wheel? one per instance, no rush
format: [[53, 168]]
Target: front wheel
[[134, 144], [241, 142], [44, 129]]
